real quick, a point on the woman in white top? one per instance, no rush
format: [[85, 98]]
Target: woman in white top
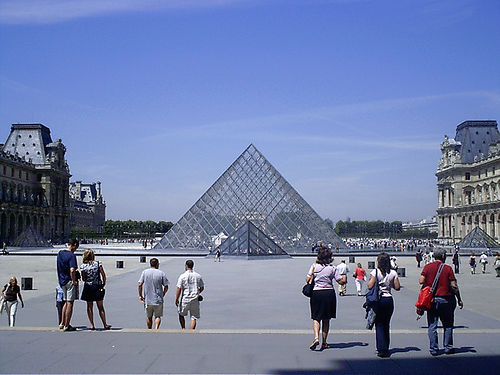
[[387, 279], [323, 301]]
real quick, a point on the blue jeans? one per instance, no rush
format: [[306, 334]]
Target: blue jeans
[[384, 312], [442, 308]]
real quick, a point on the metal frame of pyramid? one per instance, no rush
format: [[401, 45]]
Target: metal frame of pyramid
[[478, 239], [251, 189], [250, 242]]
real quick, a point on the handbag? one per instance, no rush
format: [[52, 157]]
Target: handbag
[[100, 292], [307, 289], [426, 295], [372, 297]]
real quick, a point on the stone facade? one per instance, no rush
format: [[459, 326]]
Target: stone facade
[[469, 181], [34, 184], [88, 206]]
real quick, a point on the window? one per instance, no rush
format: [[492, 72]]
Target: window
[[486, 173], [493, 170], [468, 197], [467, 176], [12, 172], [20, 174], [479, 174], [4, 170]]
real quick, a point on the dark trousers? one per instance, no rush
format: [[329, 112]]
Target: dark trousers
[[457, 268], [382, 323], [59, 306]]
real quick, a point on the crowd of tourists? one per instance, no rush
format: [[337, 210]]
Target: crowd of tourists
[[380, 307], [383, 244], [152, 287]]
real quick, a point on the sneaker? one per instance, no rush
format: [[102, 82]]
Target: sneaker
[[61, 326], [69, 329]]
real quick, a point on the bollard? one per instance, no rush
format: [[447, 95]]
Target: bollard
[[143, 259], [352, 259], [401, 272], [26, 283], [371, 265], [119, 264]]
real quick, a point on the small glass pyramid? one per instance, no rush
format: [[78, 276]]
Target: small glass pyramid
[[251, 189], [251, 242], [478, 239]]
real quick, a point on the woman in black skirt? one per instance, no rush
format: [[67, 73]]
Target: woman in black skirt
[[323, 300], [94, 279]]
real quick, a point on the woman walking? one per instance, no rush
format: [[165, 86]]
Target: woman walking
[[323, 301], [93, 288], [359, 275], [10, 292], [387, 279]]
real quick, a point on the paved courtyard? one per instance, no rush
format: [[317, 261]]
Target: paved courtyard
[[254, 320]]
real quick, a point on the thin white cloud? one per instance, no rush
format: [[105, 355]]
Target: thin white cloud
[[276, 127], [54, 11], [325, 114]]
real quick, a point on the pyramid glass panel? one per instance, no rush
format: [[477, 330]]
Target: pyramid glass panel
[[251, 189], [478, 239]]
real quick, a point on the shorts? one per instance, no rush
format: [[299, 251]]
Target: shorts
[[156, 310], [193, 307], [70, 291]]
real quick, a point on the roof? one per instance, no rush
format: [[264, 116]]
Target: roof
[[475, 138]]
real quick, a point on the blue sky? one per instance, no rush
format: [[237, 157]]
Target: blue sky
[[349, 100]]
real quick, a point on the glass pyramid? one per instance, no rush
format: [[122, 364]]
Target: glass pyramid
[[251, 189], [250, 241], [478, 239]]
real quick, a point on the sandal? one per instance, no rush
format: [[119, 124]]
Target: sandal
[[314, 344], [324, 346], [107, 327]]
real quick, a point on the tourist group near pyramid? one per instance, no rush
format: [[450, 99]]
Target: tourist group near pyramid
[[250, 211]]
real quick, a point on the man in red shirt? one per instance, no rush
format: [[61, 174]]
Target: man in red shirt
[[444, 303]]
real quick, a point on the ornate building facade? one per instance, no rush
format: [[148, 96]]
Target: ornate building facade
[[34, 184], [88, 211], [469, 181]]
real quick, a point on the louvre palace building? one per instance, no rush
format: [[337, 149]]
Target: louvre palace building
[[34, 186], [468, 181]]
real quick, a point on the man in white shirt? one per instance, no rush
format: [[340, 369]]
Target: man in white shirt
[[189, 286], [155, 285], [343, 269], [483, 259]]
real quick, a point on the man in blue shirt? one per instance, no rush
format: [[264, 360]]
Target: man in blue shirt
[[68, 281]]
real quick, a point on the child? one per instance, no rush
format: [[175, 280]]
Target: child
[[59, 305]]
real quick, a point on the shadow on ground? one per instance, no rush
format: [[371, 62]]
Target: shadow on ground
[[442, 365]]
